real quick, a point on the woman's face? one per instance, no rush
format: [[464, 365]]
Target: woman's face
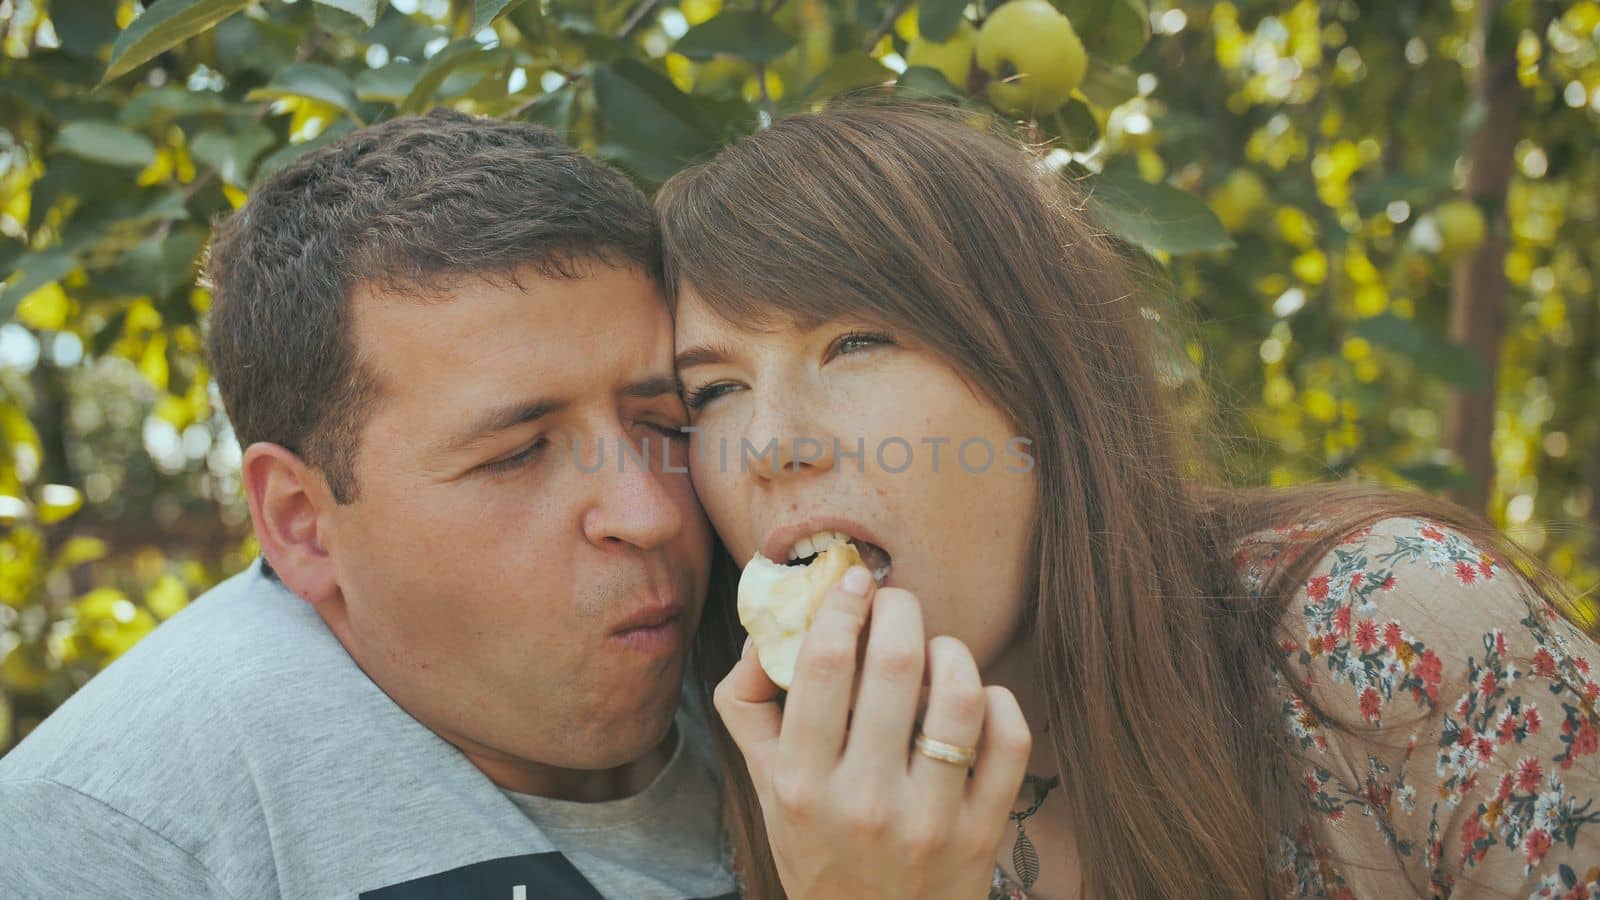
[[852, 428]]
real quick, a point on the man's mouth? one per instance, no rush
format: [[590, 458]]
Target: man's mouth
[[655, 609], [653, 630], [651, 618]]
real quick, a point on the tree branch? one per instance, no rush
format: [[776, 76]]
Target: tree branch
[[884, 26], [636, 18]]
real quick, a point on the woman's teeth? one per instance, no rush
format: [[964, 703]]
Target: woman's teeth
[[807, 548], [815, 543]]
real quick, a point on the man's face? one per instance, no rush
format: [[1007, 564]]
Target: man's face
[[488, 584]]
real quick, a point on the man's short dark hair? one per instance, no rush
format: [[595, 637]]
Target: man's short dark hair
[[412, 204]]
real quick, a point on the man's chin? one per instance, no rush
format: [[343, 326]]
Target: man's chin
[[632, 737]]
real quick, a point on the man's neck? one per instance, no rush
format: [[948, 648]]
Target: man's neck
[[575, 785]]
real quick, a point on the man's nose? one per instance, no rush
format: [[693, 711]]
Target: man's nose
[[636, 501]]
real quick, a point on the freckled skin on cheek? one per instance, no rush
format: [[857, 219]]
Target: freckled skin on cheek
[[959, 537], [485, 605]]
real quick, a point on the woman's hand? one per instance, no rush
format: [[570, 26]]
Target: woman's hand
[[851, 810]]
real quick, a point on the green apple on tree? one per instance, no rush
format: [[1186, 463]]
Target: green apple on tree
[[1461, 228], [951, 58], [1033, 55]]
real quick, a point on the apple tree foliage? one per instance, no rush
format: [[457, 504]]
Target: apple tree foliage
[[1295, 172]]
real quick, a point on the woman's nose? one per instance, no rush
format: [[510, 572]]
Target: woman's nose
[[785, 440]]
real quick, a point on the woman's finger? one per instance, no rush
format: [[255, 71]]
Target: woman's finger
[[747, 701], [954, 717], [818, 707], [891, 682], [1002, 756]]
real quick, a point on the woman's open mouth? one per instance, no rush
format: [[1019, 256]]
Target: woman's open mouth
[[805, 550]]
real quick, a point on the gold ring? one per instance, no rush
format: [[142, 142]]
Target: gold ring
[[946, 753]]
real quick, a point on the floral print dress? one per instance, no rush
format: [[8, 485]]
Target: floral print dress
[[1473, 769]]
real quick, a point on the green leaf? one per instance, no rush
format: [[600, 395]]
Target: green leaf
[[1074, 125], [486, 88], [1453, 363], [645, 163], [10, 249], [109, 333], [232, 153], [405, 36], [1372, 195], [746, 34], [390, 84], [651, 127], [643, 106], [66, 177], [1114, 30], [260, 47], [937, 19], [847, 72], [484, 12], [435, 71], [1433, 354], [1157, 217], [1434, 476], [921, 81], [158, 266], [84, 26], [1108, 85], [314, 81], [554, 109], [481, 77], [595, 41], [528, 20], [103, 142], [1391, 331], [365, 10], [288, 153], [165, 24], [167, 206], [57, 69], [170, 101]]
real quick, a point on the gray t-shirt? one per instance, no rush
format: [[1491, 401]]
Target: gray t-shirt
[[663, 843], [239, 752]]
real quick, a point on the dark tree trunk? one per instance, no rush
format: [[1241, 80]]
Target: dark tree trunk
[[1478, 287]]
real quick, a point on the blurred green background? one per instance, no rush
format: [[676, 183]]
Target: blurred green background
[[1377, 222]]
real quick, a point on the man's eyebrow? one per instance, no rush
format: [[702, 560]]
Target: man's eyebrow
[[498, 420], [654, 386], [702, 355]]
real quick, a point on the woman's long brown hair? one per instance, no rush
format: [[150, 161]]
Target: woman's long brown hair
[[1156, 662]]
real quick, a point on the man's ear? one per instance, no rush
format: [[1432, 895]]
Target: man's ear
[[288, 500]]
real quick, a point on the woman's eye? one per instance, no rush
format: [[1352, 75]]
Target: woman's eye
[[856, 341], [527, 455], [699, 397]]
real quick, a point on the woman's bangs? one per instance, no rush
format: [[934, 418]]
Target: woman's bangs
[[743, 272]]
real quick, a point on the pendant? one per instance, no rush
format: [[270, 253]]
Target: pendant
[[1025, 859]]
